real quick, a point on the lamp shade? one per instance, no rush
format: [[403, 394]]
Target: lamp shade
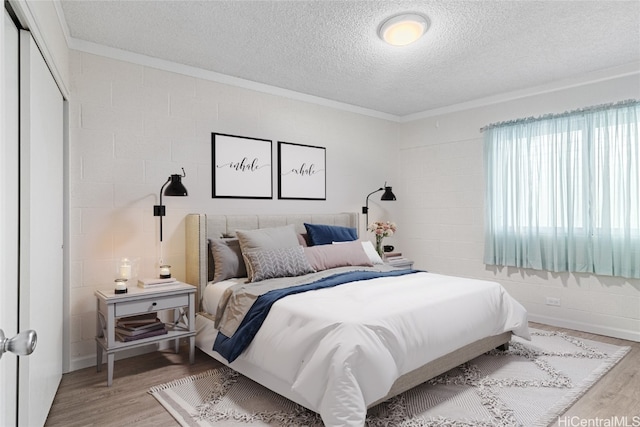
[[388, 194], [175, 187]]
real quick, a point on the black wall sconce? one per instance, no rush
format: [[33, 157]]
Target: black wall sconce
[[175, 188], [387, 195]]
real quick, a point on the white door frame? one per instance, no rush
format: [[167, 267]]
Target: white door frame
[[9, 181]]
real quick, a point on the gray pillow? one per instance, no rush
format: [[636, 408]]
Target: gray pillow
[[267, 238], [227, 259], [210, 264], [276, 262]]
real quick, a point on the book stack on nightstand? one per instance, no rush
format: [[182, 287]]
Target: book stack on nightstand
[[395, 259], [138, 327], [155, 282]]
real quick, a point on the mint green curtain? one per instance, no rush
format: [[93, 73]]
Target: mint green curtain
[[562, 192]]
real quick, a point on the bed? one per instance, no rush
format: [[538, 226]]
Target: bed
[[342, 349]]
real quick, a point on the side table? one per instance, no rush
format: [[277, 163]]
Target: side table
[[179, 297]]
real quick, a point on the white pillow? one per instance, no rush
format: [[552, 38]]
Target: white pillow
[[369, 250]]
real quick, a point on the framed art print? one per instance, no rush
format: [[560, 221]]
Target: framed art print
[[241, 167], [301, 171]]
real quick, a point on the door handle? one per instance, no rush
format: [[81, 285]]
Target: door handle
[[22, 344]]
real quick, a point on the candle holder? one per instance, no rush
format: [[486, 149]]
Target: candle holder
[[165, 271], [121, 286], [126, 268]]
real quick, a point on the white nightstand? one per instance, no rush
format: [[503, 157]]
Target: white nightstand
[[110, 306]]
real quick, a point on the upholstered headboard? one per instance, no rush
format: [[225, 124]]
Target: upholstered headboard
[[201, 227]]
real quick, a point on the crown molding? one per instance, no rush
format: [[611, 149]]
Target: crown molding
[[630, 69], [162, 64]]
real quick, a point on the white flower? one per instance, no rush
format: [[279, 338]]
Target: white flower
[[383, 228]]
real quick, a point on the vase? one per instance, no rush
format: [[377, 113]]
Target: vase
[[379, 245]]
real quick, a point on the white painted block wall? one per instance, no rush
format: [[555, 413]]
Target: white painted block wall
[[132, 126], [442, 193]]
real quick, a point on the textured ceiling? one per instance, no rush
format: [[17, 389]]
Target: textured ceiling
[[330, 49]]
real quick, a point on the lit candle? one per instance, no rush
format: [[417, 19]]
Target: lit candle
[[121, 286], [165, 271], [125, 269]]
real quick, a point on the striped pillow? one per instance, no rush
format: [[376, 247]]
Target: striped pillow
[[270, 263]]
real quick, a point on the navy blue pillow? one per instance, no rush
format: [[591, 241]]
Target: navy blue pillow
[[320, 234]]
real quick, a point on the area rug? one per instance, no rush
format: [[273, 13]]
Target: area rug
[[531, 384]]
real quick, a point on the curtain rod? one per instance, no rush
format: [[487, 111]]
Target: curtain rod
[[620, 104]]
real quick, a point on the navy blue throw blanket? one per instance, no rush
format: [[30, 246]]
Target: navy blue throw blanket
[[231, 347]]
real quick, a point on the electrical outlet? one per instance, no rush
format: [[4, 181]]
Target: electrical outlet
[[553, 301]]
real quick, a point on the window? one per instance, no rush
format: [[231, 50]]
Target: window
[[563, 192]]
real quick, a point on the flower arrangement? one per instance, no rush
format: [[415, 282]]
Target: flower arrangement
[[382, 229]]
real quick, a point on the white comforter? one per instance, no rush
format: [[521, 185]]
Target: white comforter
[[342, 348]]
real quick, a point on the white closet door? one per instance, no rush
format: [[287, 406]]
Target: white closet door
[[9, 126], [41, 232]]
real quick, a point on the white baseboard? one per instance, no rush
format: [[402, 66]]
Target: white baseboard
[[89, 361], [587, 327]]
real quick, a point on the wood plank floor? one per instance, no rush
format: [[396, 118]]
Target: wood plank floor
[[83, 398]]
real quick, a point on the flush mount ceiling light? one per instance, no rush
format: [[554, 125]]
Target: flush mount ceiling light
[[401, 30]]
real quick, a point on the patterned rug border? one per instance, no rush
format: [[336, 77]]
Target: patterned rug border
[[573, 396], [186, 419]]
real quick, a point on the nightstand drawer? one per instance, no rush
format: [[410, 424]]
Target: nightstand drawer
[[128, 308]]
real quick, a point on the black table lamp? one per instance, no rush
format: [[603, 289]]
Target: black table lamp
[[387, 195]]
